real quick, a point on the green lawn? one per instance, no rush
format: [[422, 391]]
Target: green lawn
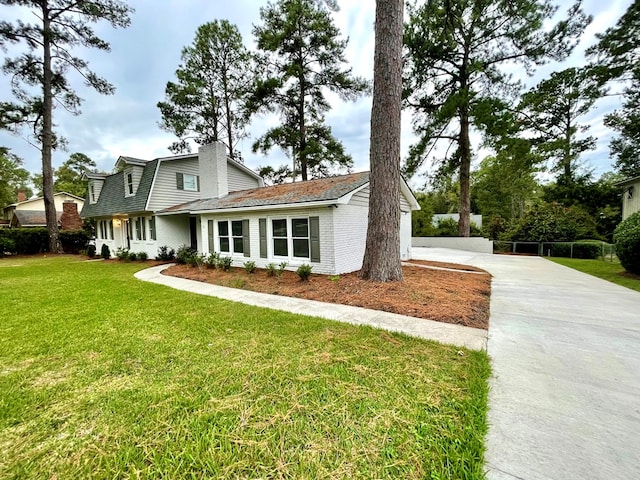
[[611, 271], [105, 376]]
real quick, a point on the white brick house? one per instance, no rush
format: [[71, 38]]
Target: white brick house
[[320, 222]]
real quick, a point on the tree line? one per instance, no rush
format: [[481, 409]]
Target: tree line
[[456, 56]]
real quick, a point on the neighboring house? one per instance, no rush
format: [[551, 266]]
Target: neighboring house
[[215, 204], [630, 196], [30, 212], [438, 217]]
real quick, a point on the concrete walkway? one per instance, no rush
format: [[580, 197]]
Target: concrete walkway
[[473, 338], [565, 350]]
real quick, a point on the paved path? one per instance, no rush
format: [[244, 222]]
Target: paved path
[[473, 338], [565, 350]]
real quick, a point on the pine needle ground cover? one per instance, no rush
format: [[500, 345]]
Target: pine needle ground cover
[[105, 376]]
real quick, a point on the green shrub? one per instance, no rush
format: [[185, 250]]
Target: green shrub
[[249, 266], [26, 241], [105, 252], [142, 256], [271, 269], [213, 260], [627, 240], [280, 269], [123, 254], [7, 246], [166, 254], [224, 263], [587, 250], [133, 256], [185, 254], [448, 227], [73, 241], [91, 251], [304, 271]]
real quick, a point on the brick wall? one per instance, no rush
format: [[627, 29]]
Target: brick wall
[[70, 219]]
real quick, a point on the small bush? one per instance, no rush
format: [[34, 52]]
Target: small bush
[[7, 246], [143, 256], [166, 254], [105, 252], [123, 254], [185, 254], [25, 241], [627, 240], [280, 269], [271, 269], [91, 251], [249, 266], [225, 263], [212, 260], [73, 241], [304, 271], [587, 250], [334, 278], [133, 256]]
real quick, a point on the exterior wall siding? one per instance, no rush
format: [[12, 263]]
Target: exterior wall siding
[[350, 236], [172, 231], [136, 175], [239, 180], [165, 193], [58, 200], [630, 205], [325, 215], [97, 188]]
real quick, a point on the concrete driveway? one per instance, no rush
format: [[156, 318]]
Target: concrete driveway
[[565, 391]]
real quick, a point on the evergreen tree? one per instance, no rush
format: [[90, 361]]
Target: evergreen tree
[[12, 177], [206, 103], [382, 262], [62, 25], [68, 178], [552, 110], [304, 59], [454, 78]]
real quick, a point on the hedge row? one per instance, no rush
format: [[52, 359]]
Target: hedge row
[[29, 241]]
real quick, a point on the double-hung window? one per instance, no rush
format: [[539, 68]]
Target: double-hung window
[[233, 236], [188, 182], [295, 238], [152, 228], [141, 232], [130, 183]]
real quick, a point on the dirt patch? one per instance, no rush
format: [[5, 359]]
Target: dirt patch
[[453, 297]]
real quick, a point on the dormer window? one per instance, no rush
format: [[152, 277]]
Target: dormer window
[[92, 193], [130, 183], [187, 182]]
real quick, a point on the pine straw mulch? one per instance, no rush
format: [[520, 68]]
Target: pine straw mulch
[[456, 297]]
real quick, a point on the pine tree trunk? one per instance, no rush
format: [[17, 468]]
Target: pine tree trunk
[[47, 137], [382, 254], [464, 223]]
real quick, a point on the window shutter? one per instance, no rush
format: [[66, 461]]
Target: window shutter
[[262, 223], [198, 183], [179, 181], [314, 238], [210, 233], [246, 244]]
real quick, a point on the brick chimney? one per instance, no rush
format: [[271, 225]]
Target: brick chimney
[[22, 197], [70, 219]]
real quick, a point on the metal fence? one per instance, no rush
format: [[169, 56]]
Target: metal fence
[[555, 249]]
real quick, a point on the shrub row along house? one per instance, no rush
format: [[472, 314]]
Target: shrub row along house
[[215, 204]]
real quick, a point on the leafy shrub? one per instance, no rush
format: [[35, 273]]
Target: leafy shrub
[[6, 246], [185, 254], [26, 241], [334, 278], [280, 269], [553, 222], [627, 240], [448, 227], [133, 256], [224, 263], [143, 256], [91, 251], [271, 269], [587, 250], [304, 271], [249, 266], [123, 254], [73, 241], [105, 252], [166, 254], [212, 260]]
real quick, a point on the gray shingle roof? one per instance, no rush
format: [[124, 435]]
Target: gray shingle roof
[[325, 189], [32, 218], [112, 199]]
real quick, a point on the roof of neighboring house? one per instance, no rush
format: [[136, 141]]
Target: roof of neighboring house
[[33, 199], [628, 181], [321, 190], [112, 198], [31, 218]]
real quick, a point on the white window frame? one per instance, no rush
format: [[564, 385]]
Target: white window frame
[[190, 182], [129, 183], [153, 233], [141, 229], [290, 252], [230, 236]]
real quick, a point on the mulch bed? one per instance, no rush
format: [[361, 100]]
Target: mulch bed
[[452, 297]]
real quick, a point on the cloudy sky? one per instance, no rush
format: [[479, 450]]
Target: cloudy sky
[[145, 56]]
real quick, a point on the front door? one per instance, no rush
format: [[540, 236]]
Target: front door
[[193, 231]]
